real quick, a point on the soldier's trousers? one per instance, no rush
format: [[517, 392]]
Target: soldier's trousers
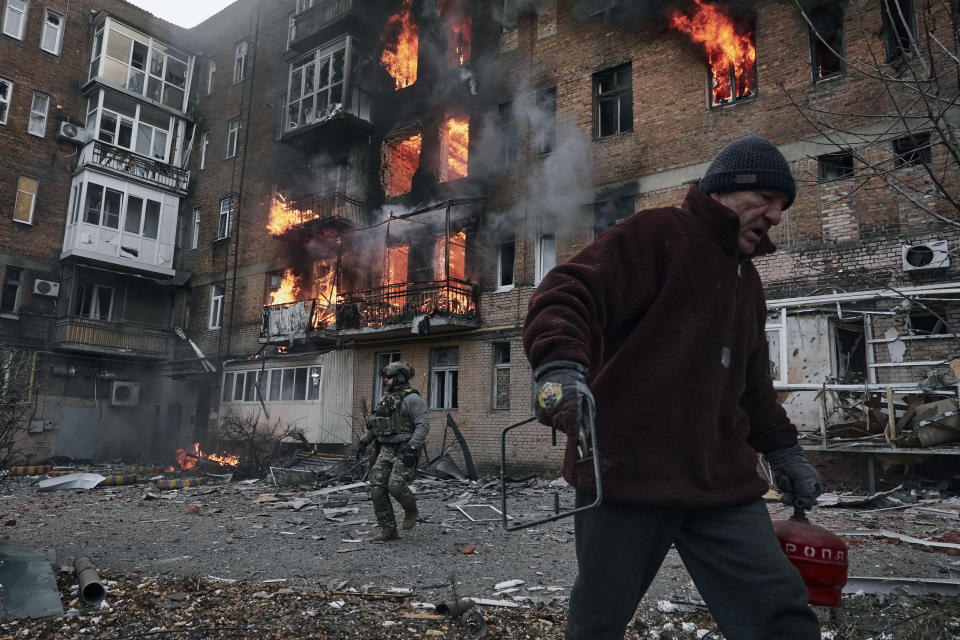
[[390, 477]]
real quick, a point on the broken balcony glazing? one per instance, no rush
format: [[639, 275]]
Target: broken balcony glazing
[[407, 302]]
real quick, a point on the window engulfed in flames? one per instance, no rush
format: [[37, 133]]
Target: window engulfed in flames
[[288, 290], [400, 45], [456, 139], [325, 293], [397, 261], [283, 216], [403, 155], [731, 54], [460, 25]]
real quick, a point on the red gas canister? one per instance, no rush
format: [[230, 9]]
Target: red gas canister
[[819, 554]]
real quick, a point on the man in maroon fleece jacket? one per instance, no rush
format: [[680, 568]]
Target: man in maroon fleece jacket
[[657, 330]]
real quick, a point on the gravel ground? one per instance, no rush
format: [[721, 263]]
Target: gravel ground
[[288, 543]]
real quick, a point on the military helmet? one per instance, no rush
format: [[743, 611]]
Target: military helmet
[[397, 368]]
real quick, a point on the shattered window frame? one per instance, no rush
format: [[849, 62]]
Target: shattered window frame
[[240, 61], [204, 145], [444, 377], [51, 28], [15, 10], [546, 249], [211, 74], [39, 110], [835, 166], [929, 320], [6, 95], [12, 290], [911, 149], [613, 101], [899, 28], [506, 267], [233, 136], [511, 17], [225, 218], [848, 337], [195, 239], [318, 74], [828, 52], [501, 375], [23, 209]]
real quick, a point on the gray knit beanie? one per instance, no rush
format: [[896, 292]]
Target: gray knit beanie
[[748, 164]]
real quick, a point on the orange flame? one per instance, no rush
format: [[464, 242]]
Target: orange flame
[[188, 459], [397, 264], [288, 290], [283, 216], [404, 160], [401, 41], [325, 292], [456, 133], [460, 29], [457, 254], [728, 52]]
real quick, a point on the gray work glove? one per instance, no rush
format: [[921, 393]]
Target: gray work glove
[[798, 481], [409, 456], [360, 448], [563, 400]]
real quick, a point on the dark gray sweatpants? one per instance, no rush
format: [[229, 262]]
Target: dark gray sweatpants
[[732, 554]]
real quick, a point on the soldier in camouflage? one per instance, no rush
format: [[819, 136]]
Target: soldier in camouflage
[[399, 423]]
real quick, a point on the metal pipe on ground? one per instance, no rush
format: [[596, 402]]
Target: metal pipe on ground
[[91, 590]]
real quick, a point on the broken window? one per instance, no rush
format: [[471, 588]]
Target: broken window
[[899, 28], [826, 42], [225, 219], [613, 91], [511, 17], [94, 301], [505, 256], [6, 90], [849, 354], [38, 114], [315, 88], [195, 236], [401, 42], [455, 141], [444, 377], [927, 321], [211, 74], [233, 136], [454, 14], [835, 166], [239, 61], [398, 258], [10, 296], [607, 213], [52, 35], [507, 124], [401, 160], [912, 149], [381, 360], [545, 123], [501, 375]]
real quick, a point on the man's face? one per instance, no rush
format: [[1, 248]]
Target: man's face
[[757, 210], [388, 381]]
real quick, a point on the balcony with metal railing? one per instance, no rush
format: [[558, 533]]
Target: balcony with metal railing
[[112, 337], [315, 211], [443, 305], [127, 164], [331, 17]]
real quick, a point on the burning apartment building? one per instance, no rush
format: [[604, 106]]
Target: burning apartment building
[[266, 209]]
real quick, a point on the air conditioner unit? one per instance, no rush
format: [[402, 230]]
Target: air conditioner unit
[[46, 288], [124, 393], [73, 132], [926, 256]]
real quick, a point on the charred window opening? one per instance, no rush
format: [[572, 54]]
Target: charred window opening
[[835, 166], [730, 50], [401, 43], [401, 159], [899, 28], [849, 352], [912, 150], [545, 125], [505, 259], [928, 321], [546, 250], [455, 141], [613, 91], [10, 296], [826, 42], [507, 123], [315, 89], [501, 375], [511, 17], [607, 213], [454, 15]]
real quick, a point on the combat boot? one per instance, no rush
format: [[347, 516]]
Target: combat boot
[[386, 533], [409, 518]]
